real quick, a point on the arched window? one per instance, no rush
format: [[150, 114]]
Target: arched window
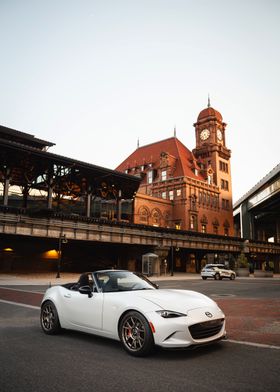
[[215, 224], [144, 215], [156, 217], [226, 227], [193, 222]]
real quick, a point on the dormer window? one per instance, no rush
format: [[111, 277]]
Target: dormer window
[[196, 172], [163, 175]]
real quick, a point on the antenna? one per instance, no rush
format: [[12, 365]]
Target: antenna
[[138, 142], [175, 130], [209, 101]]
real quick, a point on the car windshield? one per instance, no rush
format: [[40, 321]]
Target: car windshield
[[110, 281]]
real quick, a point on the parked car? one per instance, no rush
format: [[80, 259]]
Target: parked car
[[126, 306], [217, 271]]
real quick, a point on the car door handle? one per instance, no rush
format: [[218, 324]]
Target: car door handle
[[67, 295]]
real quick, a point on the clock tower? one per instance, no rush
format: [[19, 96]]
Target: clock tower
[[211, 151], [212, 154]]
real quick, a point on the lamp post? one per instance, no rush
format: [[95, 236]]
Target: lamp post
[[62, 240]]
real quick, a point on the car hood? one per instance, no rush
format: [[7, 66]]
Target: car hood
[[177, 300]]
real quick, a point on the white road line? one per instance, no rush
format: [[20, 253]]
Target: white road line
[[253, 344], [25, 291], [19, 304]]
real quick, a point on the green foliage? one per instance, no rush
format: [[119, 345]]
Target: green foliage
[[242, 261]]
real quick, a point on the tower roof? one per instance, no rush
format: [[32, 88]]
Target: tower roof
[[209, 112]]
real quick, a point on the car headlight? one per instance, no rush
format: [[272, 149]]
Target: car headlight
[[169, 313]]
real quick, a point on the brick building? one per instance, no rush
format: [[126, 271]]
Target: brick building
[[183, 189]]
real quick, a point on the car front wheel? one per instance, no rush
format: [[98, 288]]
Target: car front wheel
[[135, 334], [217, 276], [49, 318], [232, 277], [204, 277]]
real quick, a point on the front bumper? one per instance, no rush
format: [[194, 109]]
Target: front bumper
[[190, 330]]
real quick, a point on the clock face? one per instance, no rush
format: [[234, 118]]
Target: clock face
[[219, 134], [204, 134]]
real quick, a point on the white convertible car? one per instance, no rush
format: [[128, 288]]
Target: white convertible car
[[128, 307]]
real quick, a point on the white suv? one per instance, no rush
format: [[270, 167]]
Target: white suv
[[217, 271]]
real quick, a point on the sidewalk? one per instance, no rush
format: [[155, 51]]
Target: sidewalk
[[47, 278]]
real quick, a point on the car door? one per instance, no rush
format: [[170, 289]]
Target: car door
[[84, 312], [225, 272]]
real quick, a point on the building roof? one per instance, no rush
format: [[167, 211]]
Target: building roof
[[265, 180], [151, 154], [15, 151], [23, 138]]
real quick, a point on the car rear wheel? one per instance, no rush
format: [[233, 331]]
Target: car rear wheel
[[204, 277], [49, 319], [217, 276], [135, 334]]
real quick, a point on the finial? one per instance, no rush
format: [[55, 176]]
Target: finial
[[175, 131], [208, 101], [138, 143]]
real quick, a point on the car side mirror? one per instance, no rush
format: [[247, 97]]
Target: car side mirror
[[86, 290]]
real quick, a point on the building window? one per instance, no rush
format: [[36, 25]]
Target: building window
[[163, 175], [225, 204], [223, 166], [150, 176], [163, 195], [178, 225], [171, 195], [224, 185], [203, 228], [143, 215], [215, 230], [156, 218], [193, 222], [226, 231], [178, 192]]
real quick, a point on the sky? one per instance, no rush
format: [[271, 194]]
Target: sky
[[94, 76]]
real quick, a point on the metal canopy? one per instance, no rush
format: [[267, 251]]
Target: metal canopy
[[26, 165]]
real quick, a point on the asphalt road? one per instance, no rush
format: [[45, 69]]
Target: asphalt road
[[34, 362]]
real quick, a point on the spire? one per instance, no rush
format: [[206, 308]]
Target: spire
[[138, 142], [209, 101], [175, 131]]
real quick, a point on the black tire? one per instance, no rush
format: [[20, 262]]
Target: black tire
[[136, 335], [217, 276], [49, 319], [232, 277], [204, 277]]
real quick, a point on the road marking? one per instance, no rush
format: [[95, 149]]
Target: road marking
[[19, 304], [222, 295], [25, 291], [253, 344]]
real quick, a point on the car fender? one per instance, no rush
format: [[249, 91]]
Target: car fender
[[115, 307]]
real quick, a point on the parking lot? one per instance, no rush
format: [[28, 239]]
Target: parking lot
[[248, 361]]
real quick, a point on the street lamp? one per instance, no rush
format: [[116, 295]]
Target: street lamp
[[62, 240]]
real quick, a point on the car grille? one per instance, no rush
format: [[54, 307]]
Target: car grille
[[206, 329]]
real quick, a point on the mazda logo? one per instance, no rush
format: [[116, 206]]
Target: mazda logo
[[208, 314]]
